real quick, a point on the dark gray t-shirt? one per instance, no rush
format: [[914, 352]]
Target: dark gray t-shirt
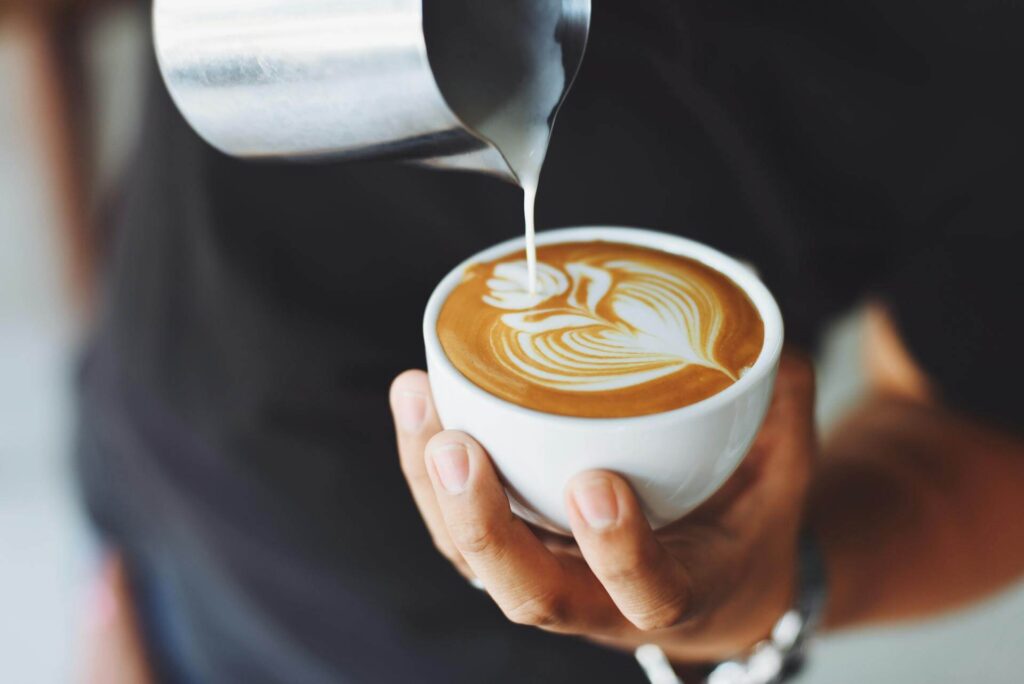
[[236, 440]]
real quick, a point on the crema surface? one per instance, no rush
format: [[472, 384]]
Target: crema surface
[[612, 330]]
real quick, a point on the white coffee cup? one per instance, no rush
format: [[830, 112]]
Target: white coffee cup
[[674, 460]]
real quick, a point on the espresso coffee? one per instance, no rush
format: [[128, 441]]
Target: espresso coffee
[[610, 330]]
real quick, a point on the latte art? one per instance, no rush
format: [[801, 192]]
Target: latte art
[[609, 330], [622, 324]]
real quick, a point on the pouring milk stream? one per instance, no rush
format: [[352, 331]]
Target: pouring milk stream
[[515, 113]]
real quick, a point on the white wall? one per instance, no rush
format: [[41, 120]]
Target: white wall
[[40, 539], [45, 547]]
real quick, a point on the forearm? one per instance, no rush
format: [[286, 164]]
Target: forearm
[[918, 511], [57, 106]]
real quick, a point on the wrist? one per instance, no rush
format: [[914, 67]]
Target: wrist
[[783, 653]]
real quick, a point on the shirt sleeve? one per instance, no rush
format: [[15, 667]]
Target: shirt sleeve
[[957, 302]]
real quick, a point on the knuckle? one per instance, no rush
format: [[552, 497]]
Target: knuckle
[[474, 537], [662, 616], [628, 572], [546, 610], [631, 569]]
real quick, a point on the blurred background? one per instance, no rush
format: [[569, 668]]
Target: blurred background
[[46, 554]]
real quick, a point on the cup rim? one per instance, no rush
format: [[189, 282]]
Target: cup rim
[[741, 274]]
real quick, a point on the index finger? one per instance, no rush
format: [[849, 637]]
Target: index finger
[[416, 422], [529, 583]]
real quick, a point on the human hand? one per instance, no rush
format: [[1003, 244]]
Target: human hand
[[703, 589], [112, 649]]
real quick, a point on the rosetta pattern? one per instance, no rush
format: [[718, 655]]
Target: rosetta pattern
[[600, 325]]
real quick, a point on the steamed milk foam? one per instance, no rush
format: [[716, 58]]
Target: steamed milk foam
[[611, 330]]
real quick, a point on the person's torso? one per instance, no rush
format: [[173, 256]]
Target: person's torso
[[263, 307]]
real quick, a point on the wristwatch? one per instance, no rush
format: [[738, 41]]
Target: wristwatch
[[782, 655]]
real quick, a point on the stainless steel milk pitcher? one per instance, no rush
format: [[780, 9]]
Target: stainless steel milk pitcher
[[408, 79]]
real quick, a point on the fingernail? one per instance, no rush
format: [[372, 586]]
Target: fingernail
[[596, 502], [411, 411], [452, 464]]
